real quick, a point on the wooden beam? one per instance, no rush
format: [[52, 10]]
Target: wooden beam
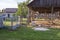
[[32, 15], [29, 16], [52, 9], [58, 15]]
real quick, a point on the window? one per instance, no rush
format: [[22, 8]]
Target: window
[[9, 15]]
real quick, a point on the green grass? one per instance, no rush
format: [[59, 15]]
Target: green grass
[[24, 33]]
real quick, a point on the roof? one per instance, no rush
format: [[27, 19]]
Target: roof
[[10, 10], [44, 3]]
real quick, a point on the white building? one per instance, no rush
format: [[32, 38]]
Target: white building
[[8, 12]]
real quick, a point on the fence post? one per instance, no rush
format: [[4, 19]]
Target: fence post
[[11, 22], [1, 22]]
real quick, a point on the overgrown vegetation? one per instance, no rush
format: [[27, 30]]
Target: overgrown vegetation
[[22, 8]]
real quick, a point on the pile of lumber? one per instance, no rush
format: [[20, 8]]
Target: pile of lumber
[[41, 22], [56, 21]]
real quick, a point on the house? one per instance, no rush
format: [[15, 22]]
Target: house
[[46, 9], [8, 12]]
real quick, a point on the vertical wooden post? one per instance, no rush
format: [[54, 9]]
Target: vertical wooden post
[[45, 15], [16, 19], [11, 22], [58, 14], [52, 13], [29, 16], [1, 22], [20, 19], [32, 15]]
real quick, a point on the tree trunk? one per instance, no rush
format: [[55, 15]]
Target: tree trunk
[[20, 19]]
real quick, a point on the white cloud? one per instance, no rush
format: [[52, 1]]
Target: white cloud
[[20, 0], [8, 4]]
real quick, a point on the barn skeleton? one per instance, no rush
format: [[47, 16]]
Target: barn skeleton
[[47, 9]]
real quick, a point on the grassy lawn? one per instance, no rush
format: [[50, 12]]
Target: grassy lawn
[[24, 33]]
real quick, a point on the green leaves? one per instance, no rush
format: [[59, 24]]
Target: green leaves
[[22, 9]]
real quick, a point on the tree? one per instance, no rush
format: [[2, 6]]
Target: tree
[[28, 1], [22, 8], [19, 10]]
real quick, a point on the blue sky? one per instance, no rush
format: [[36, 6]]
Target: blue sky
[[9, 3]]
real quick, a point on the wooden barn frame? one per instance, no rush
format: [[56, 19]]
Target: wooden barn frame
[[45, 7]]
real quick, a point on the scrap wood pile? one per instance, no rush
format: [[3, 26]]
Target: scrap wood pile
[[55, 22], [40, 23]]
